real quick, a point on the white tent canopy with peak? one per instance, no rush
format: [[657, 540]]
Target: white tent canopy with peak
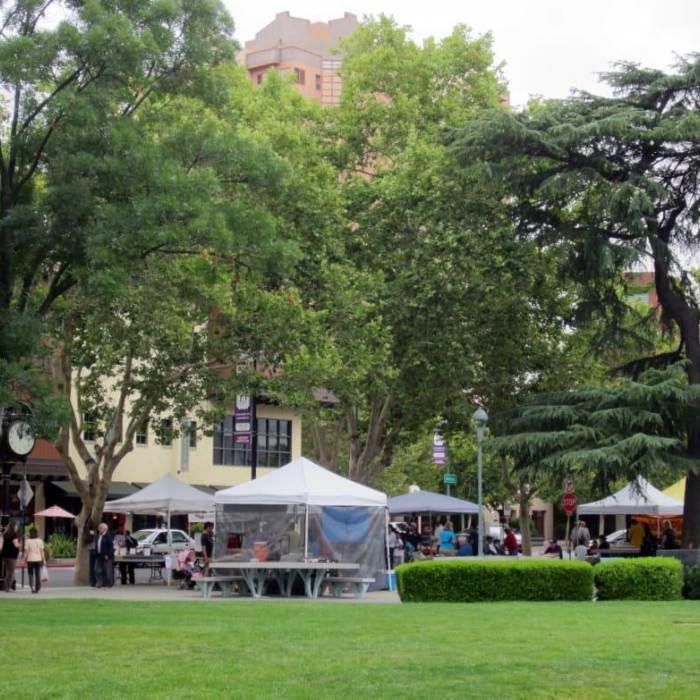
[[338, 519], [639, 497]]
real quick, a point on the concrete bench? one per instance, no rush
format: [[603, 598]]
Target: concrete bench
[[357, 584], [206, 584]]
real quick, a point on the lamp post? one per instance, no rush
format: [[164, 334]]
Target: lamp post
[[480, 419]]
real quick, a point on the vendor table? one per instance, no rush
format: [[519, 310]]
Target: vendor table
[[254, 573], [154, 563], [616, 552]]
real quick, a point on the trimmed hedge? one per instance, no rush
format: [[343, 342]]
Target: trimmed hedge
[[646, 578], [692, 582], [473, 580]]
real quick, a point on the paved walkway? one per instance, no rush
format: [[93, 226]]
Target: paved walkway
[[161, 593]]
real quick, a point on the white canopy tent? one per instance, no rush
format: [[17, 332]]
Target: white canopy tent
[[301, 483], [167, 496], [639, 497]]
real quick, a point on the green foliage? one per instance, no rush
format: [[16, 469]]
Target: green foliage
[[602, 434], [60, 546], [471, 581], [691, 585], [649, 578]]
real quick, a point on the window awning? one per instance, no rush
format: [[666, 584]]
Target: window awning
[[118, 489]]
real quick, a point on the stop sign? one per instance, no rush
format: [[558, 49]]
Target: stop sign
[[569, 503]]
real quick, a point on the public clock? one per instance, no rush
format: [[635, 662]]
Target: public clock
[[20, 437]]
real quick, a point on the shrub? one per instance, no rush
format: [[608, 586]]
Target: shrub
[[60, 547], [691, 589], [647, 578], [468, 581]]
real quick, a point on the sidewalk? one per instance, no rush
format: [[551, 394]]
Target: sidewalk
[[160, 593]]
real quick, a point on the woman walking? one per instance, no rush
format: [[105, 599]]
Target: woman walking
[[35, 558], [10, 552]]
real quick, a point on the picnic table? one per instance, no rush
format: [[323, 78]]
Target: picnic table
[[154, 563], [254, 574]]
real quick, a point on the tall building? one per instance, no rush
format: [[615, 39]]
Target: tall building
[[308, 49]]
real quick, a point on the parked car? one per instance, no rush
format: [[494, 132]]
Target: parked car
[[498, 533], [157, 540], [618, 537]]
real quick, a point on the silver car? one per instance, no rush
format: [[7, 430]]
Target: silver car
[[157, 540]]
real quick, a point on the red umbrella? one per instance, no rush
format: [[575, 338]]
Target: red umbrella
[[54, 512]]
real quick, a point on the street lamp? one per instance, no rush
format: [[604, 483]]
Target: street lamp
[[480, 419]]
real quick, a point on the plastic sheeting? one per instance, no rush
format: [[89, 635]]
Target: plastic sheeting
[[354, 534]]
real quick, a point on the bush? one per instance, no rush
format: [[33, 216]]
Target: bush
[[646, 578], [60, 547], [691, 589], [468, 581]]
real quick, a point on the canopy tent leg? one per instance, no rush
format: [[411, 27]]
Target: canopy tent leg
[[168, 569], [306, 532]]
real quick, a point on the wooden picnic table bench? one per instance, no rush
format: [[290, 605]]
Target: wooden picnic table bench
[[357, 584]]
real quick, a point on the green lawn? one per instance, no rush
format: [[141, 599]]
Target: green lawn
[[89, 649]]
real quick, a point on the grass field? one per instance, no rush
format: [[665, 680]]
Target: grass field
[[110, 649]]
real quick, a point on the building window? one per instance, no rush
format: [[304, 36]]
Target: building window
[[89, 427], [193, 434], [142, 434], [165, 433], [259, 78], [274, 442], [301, 75], [319, 81]]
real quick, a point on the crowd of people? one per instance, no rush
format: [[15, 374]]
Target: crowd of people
[[444, 541]]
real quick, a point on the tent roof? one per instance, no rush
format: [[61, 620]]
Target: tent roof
[[676, 490], [54, 512], [166, 494], [428, 502], [301, 482], [639, 497]]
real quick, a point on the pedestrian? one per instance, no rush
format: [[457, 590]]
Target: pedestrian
[[649, 544], [636, 533], [392, 542], [35, 558], [553, 550], [447, 540], [580, 535], [104, 557], [10, 552], [127, 570], [669, 536], [207, 545], [510, 543]]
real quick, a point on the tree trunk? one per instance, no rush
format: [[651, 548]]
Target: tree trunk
[[524, 507], [686, 315]]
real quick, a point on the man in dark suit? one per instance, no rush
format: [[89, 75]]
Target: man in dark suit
[[104, 557]]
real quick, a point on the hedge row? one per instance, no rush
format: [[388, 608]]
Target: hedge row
[[692, 582], [470, 580], [646, 578]]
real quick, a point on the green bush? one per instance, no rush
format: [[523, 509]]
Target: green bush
[[60, 547], [691, 589], [472, 580], [647, 578]]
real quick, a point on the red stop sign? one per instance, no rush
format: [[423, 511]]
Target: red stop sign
[[568, 501]]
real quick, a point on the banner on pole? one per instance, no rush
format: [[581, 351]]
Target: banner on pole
[[439, 449]]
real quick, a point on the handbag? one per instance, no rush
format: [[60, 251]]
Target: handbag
[[44, 574]]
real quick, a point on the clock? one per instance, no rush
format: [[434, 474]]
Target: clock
[[20, 437]]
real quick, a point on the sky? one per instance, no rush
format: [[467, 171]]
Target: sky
[[548, 46]]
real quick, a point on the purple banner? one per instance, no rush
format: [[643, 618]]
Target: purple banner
[[439, 449], [243, 421]]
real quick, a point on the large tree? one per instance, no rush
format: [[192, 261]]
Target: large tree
[[73, 77], [459, 302], [612, 182]]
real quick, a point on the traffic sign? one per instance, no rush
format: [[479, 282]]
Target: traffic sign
[[449, 479], [568, 502], [569, 485]]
